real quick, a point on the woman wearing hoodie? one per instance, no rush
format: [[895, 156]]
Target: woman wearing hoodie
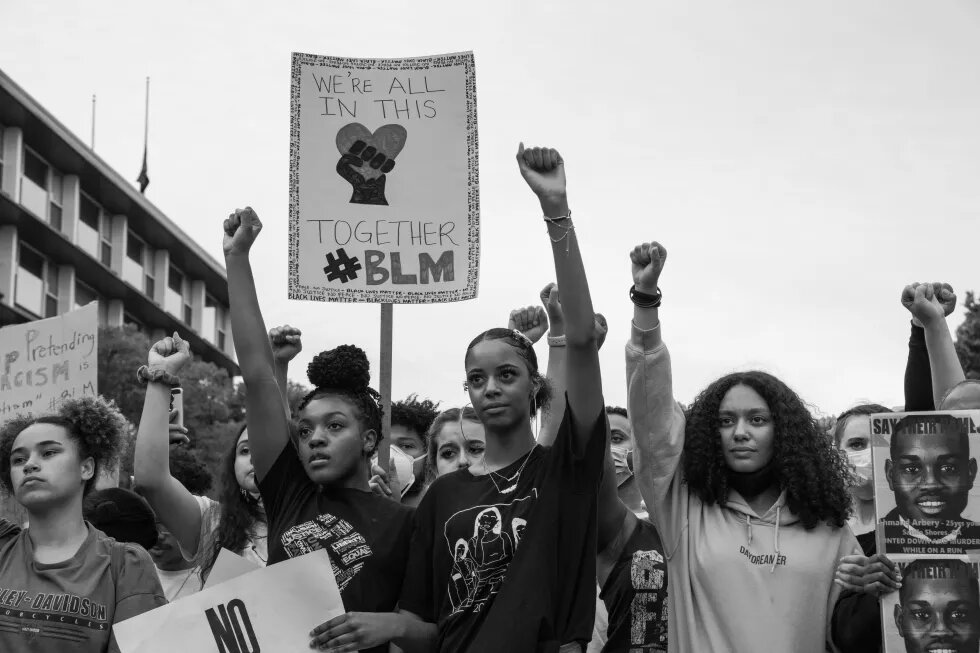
[[750, 497]]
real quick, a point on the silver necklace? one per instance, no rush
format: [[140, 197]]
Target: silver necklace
[[511, 479]]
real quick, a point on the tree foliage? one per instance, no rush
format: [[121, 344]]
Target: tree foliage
[[968, 338]]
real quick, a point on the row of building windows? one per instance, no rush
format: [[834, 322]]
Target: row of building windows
[[37, 289], [42, 191]]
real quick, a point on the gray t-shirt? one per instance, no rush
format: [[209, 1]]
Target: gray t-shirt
[[71, 606]]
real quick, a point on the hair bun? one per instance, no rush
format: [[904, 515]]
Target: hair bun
[[345, 368]]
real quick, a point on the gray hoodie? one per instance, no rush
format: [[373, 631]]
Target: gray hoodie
[[739, 581]]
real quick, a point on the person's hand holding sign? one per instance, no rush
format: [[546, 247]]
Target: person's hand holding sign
[[170, 355], [355, 631], [874, 575]]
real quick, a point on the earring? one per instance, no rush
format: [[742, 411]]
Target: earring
[[534, 416]]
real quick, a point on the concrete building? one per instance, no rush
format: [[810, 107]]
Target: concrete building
[[73, 231]]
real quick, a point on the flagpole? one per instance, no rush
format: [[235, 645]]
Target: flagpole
[[93, 121], [144, 178], [146, 119]]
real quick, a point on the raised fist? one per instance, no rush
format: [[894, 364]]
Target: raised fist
[[601, 329], [531, 321], [928, 302], [648, 262], [241, 229], [365, 158], [544, 171], [552, 304], [169, 354], [286, 343]]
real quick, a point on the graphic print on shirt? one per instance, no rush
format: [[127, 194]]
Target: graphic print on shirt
[[482, 541], [347, 547], [648, 620], [45, 615]]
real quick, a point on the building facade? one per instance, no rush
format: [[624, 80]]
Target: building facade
[[73, 231]]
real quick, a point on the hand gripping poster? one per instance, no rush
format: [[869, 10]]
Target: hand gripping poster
[[928, 524], [383, 179]]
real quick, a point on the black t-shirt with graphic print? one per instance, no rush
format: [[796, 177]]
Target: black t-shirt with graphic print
[[367, 536], [509, 565], [635, 594]]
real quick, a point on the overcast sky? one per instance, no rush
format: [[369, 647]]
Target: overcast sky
[[801, 161]]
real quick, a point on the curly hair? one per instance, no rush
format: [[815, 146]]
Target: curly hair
[[414, 415], [525, 349], [862, 409], [94, 424], [807, 465], [345, 372], [239, 511], [616, 410]]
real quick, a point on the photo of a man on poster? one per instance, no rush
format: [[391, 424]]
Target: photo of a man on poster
[[931, 472], [939, 607]]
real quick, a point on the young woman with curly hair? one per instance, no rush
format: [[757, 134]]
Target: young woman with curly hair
[[314, 478], [750, 497], [200, 525], [73, 581]]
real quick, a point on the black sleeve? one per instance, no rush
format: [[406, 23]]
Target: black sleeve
[[918, 374], [585, 470], [282, 482], [418, 591], [856, 625]]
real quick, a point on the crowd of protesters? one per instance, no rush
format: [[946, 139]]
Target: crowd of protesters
[[533, 518]]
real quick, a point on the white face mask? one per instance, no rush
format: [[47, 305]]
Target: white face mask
[[622, 461], [862, 482]]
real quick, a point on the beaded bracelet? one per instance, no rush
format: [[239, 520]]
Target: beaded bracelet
[[145, 375], [556, 341]]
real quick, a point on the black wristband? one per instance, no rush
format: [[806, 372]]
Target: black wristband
[[643, 300]]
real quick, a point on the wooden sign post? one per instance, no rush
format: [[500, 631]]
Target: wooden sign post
[[384, 450]]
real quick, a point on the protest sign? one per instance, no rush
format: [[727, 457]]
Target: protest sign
[[47, 361], [937, 607], [270, 609], [927, 511], [924, 467], [383, 179]]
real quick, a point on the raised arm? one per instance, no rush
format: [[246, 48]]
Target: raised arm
[[918, 373], [544, 172], [533, 322], [925, 301], [616, 522], [267, 418], [658, 421], [173, 504], [287, 343]]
